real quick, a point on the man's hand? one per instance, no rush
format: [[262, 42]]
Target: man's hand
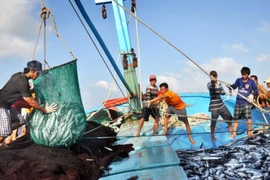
[[250, 98], [228, 85], [51, 108]]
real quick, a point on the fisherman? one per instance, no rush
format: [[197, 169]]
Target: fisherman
[[242, 108], [262, 92], [23, 107], [268, 93], [151, 93], [216, 106], [175, 106], [16, 88]]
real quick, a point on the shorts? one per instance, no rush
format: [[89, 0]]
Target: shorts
[[242, 111], [181, 114], [147, 111], [223, 112], [8, 116]]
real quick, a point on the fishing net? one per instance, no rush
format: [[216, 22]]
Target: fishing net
[[67, 124]]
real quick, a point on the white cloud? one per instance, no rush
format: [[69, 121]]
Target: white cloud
[[18, 28], [238, 48], [263, 58], [264, 27], [105, 85]]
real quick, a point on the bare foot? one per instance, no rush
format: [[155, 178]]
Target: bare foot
[[233, 135], [213, 138], [192, 141], [137, 135]]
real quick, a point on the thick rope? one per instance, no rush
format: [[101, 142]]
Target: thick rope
[[181, 51], [218, 120], [96, 48], [138, 56], [61, 39], [160, 36], [173, 134], [45, 15]]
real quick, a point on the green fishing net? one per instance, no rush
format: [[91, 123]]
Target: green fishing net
[[66, 125]]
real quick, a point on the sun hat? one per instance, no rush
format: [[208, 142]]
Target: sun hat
[[267, 81], [152, 77], [36, 65]]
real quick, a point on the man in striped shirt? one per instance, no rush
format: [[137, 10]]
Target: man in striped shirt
[[216, 106], [151, 93]]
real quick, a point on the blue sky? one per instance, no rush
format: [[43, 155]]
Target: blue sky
[[218, 35]]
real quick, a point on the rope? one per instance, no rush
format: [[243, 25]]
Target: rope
[[34, 52], [174, 134], [161, 37], [45, 15], [182, 52], [96, 47], [218, 120], [61, 39], [109, 94], [138, 56]]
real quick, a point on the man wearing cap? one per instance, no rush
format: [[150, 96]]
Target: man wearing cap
[[151, 93], [16, 88], [268, 93]]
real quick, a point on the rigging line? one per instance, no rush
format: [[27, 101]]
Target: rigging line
[[111, 88], [259, 124], [96, 47], [61, 39], [138, 56], [173, 46], [42, 3], [161, 37], [157, 135], [34, 52]]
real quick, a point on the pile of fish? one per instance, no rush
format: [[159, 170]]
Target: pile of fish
[[246, 159]]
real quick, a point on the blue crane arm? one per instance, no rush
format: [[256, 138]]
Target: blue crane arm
[[103, 45]]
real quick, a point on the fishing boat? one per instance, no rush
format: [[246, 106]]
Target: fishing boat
[[154, 156], [159, 157]]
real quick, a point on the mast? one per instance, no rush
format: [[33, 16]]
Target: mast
[[128, 56]]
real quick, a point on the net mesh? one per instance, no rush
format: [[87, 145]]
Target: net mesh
[[67, 124]]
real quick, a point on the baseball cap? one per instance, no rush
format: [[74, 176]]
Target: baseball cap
[[267, 81], [152, 77], [36, 65]]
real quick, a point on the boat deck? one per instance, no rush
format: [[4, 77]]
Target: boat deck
[[154, 157]]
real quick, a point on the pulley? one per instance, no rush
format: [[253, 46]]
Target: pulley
[[104, 12], [133, 6]]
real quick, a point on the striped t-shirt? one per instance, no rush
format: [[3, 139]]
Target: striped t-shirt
[[151, 92], [215, 90]]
